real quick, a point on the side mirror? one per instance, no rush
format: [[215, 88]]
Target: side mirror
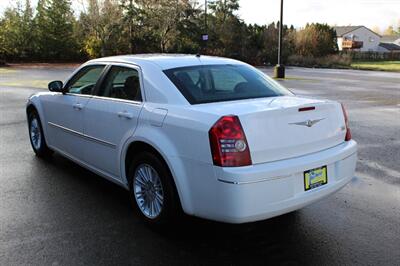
[[56, 86]]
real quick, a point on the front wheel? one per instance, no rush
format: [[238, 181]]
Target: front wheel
[[36, 136], [152, 190]]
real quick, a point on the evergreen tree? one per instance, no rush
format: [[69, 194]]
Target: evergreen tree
[[27, 45], [54, 30]]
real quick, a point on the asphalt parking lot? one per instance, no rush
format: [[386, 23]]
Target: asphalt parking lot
[[57, 213]]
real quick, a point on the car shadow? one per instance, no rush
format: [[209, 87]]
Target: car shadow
[[106, 206]]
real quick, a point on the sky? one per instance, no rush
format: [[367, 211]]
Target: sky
[[370, 13]]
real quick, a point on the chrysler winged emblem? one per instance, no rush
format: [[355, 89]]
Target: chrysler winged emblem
[[307, 123]]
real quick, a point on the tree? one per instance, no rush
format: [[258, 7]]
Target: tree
[[54, 28], [162, 19], [398, 26], [41, 29], [189, 29], [389, 31], [316, 40], [27, 46], [132, 17], [102, 24], [16, 31], [226, 29]]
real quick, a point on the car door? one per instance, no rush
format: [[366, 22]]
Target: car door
[[65, 111], [111, 117]]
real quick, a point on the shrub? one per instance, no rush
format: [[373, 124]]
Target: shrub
[[329, 61]]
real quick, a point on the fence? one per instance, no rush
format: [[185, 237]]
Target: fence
[[373, 56]]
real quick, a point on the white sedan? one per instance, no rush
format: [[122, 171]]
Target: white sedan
[[210, 137]]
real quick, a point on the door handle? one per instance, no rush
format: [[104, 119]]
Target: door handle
[[77, 106], [125, 114]]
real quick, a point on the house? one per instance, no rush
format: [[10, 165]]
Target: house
[[357, 38], [391, 39], [388, 47]]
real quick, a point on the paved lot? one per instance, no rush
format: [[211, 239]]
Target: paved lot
[[55, 212]]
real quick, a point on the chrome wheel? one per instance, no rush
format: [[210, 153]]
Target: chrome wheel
[[148, 191], [35, 133]]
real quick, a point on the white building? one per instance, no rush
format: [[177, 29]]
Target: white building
[[390, 43], [395, 39], [357, 38], [389, 47]]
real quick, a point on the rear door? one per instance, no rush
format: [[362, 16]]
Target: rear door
[[111, 117], [65, 112]]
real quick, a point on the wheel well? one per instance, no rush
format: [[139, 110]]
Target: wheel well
[[138, 147], [30, 108]]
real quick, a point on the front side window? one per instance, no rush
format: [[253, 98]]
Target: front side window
[[121, 83], [85, 80], [215, 83]]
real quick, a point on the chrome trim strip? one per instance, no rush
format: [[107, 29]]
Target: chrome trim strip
[[78, 95], [102, 142], [252, 182], [116, 99], [103, 98], [65, 129], [267, 179]]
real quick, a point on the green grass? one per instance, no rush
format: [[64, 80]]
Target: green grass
[[4, 70], [25, 83], [378, 65]]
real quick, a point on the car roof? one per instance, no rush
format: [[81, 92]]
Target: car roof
[[168, 61]]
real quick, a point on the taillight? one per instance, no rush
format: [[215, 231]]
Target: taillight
[[346, 121], [228, 143]]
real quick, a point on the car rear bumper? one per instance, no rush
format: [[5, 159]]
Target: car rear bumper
[[261, 191]]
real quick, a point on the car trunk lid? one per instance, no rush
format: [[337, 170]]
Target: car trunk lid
[[286, 127]]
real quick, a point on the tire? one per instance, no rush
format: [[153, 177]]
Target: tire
[[169, 208], [36, 136]]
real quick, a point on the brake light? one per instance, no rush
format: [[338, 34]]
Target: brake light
[[304, 109], [228, 143], [346, 121]]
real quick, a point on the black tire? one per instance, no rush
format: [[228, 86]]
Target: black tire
[[171, 208], [40, 150]]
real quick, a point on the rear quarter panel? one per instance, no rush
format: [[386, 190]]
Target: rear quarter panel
[[182, 140]]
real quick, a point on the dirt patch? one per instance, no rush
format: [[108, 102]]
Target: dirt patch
[[45, 65]]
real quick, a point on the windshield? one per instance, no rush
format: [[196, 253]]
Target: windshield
[[215, 83]]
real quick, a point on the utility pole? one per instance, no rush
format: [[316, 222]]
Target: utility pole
[[205, 15], [204, 36], [279, 68]]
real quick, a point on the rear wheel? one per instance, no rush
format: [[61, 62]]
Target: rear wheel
[[152, 190], [36, 135]]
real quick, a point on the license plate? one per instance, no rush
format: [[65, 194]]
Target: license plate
[[315, 178]]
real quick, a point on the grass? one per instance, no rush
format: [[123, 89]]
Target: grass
[[378, 65], [25, 83], [4, 70]]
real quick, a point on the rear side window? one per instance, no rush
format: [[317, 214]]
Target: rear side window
[[215, 83], [121, 83]]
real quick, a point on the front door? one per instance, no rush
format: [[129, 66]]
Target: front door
[[65, 112], [111, 117]]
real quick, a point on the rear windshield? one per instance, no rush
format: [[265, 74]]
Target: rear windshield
[[215, 83]]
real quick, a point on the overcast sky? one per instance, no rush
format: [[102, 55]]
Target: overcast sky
[[370, 13]]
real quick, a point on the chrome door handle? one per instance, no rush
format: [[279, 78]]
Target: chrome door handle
[[77, 106], [125, 115]]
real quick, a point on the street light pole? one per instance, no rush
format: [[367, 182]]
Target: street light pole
[[205, 15], [279, 68], [204, 36]]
